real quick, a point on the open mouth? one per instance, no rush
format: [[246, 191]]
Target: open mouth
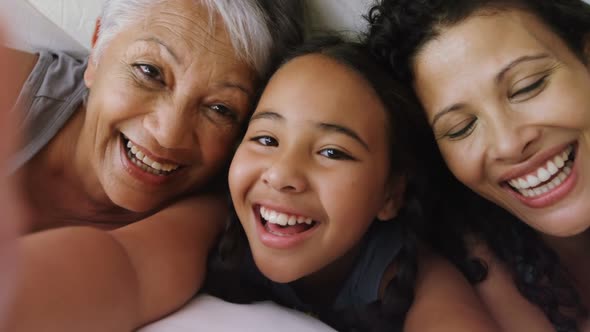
[[282, 224], [547, 177], [141, 160]]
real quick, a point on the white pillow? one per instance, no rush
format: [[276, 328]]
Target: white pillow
[[208, 313]]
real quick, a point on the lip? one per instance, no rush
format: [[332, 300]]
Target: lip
[[141, 175], [556, 194], [535, 162], [273, 241]]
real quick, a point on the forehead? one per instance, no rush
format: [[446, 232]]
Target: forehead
[[187, 24], [482, 44], [318, 87]]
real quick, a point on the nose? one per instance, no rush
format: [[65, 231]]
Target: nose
[[286, 174], [513, 139], [171, 126]]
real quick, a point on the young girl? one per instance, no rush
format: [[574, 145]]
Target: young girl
[[505, 90], [318, 185]]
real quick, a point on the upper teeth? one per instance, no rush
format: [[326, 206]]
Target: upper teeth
[[282, 219], [543, 173], [146, 160]]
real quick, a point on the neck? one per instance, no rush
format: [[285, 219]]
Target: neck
[[322, 287]]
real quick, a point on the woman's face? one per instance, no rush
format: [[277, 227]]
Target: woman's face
[[311, 173], [509, 104], [167, 98]]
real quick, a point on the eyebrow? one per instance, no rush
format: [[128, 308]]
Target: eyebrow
[[329, 127], [228, 85], [517, 61], [498, 78], [164, 45], [232, 85]]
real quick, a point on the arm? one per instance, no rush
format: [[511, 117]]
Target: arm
[[22, 63], [83, 279], [445, 301]]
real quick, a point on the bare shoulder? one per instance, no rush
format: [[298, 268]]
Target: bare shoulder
[[499, 294], [169, 250], [444, 300]]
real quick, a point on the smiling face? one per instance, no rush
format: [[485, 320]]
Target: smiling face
[[509, 105], [167, 98], [312, 171]]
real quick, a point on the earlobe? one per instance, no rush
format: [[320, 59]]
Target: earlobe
[[393, 201], [90, 72]]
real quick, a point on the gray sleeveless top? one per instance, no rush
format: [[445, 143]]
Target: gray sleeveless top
[[51, 94], [380, 246]]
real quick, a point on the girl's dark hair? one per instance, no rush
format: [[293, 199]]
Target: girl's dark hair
[[389, 313], [397, 32]]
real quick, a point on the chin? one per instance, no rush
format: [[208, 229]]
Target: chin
[[135, 203], [276, 273]]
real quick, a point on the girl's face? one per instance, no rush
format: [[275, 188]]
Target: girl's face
[[167, 100], [509, 104], [312, 171]]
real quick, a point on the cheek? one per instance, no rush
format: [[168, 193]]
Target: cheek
[[240, 174], [216, 144], [463, 164]]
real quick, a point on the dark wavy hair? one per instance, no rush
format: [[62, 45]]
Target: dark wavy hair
[[398, 29], [389, 313]]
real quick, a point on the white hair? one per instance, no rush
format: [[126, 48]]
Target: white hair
[[245, 21]]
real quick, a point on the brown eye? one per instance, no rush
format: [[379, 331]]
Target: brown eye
[[149, 72], [336, 154], [530, 90], [463, 131], [265, 140]]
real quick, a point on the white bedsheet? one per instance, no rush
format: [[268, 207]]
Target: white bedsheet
[[210, 314]]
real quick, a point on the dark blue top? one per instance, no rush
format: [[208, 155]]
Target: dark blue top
[[380, 246]]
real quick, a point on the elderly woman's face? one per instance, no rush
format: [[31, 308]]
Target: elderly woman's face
[[168, 97]]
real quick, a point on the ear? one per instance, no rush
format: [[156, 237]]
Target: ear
[[95, 34], [393, 200], [90, 72]]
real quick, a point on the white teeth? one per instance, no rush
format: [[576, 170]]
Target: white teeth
[[552, 168], [532, 180], [153, 166], [547, 187], [559, 161], [543, 173], [282, 219]]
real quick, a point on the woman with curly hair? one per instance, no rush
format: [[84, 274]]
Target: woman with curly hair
[[504, 87]]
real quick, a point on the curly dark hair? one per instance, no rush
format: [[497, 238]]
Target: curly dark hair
[[387, 314], [398, 30]]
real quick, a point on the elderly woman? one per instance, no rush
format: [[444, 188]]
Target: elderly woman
[[132, 144]]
